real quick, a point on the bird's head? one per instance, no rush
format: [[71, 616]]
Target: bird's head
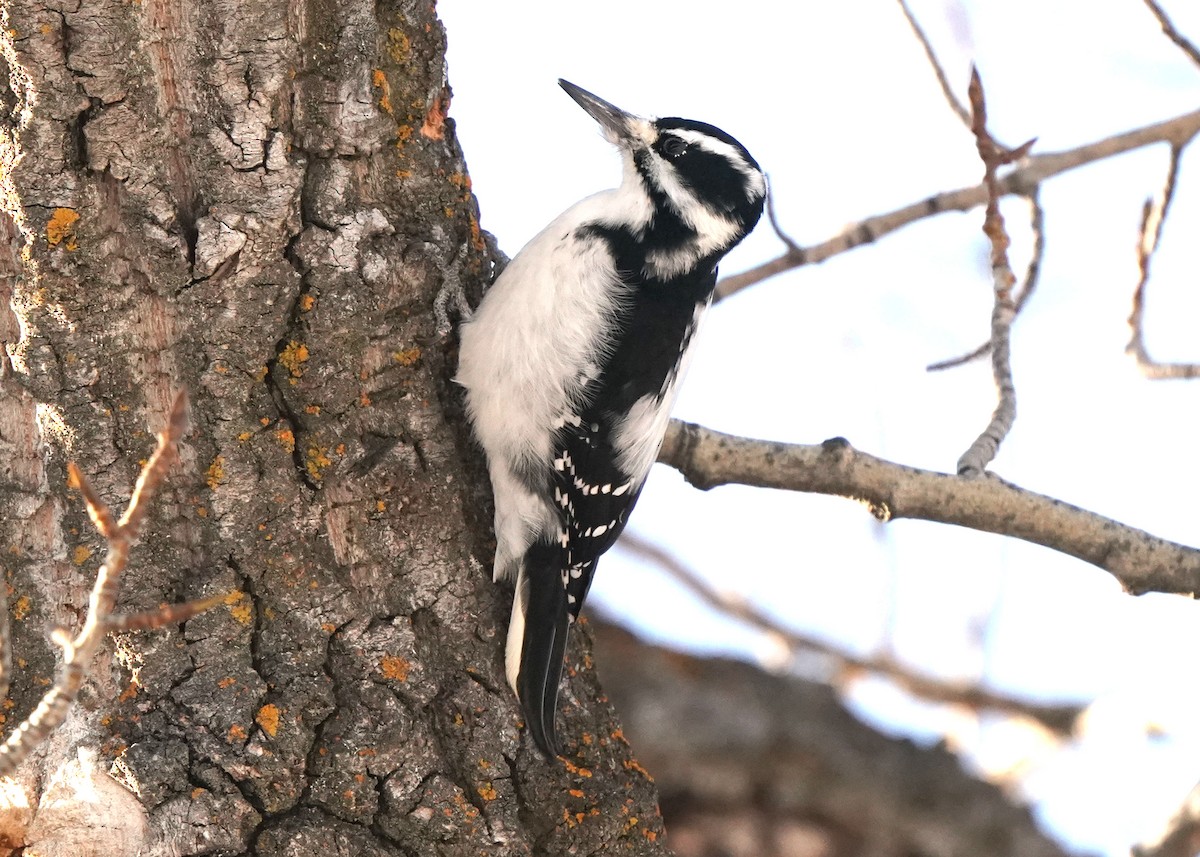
[[701, 174]]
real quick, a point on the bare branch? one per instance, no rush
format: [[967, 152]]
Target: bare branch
[[1060, 719], [957, 106], [980, 453], [1154, 214], [1022, 180], [78, 651], [1171, 33], [1037, 226], [1140, 561]]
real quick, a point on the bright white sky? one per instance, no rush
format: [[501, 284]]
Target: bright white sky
[[837, 102]]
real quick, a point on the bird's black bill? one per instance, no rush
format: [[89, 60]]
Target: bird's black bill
[[610, 117]]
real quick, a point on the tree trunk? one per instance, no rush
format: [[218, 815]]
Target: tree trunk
[[260, 202]]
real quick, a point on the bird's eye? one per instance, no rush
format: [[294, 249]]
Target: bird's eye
[[673, 147]]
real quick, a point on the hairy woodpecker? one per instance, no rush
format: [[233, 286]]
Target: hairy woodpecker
[[572, 361]]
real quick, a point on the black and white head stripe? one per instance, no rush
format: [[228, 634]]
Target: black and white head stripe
[[698, 166]]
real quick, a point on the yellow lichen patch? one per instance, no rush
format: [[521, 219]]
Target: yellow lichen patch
[[268, 718], [312, 409], [317, 461], [403, 135], [394, 668], [399, 46], [240, 607], [245, 436], [408, 356], [61, 228], [487, 791], [215, 475], [261, 372], [286, 439], [380, 506], [293, 357], [379, 81], [235, 733], [307, 302], [81, 554], [21, 608]]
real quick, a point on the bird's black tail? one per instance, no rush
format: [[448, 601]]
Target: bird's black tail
[[547, 619]]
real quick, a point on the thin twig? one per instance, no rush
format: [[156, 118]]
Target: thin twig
[[167, 614], [1141, 562], [787, 240], [1037, 227], [1171, 33], [1021, 180], [957, 106], [847, 666], [1154, 214], [77, 652], [980, 453]]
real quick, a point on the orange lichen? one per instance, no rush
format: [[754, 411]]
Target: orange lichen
[[575, 792], [394, 668], [286, 439], [317, 461], [379, 81], [228, 681], [61, 228], [575, 769], [293, 357], [130, 691], [312, 409], [268, 718], [215, 475], [635, 765], [239, 607], [245, 436], [307, 302], [408, 356], [487, 791], [236, 733], [81, 554]]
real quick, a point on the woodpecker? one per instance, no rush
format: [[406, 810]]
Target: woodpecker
[[572, 361]]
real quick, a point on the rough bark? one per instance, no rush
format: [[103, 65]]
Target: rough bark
[[259, 201], [750, 764]]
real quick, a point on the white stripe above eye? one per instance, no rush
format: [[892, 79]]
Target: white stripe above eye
[[731, 153]]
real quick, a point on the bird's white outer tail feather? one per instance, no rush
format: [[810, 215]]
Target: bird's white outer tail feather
[[516, 634]]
